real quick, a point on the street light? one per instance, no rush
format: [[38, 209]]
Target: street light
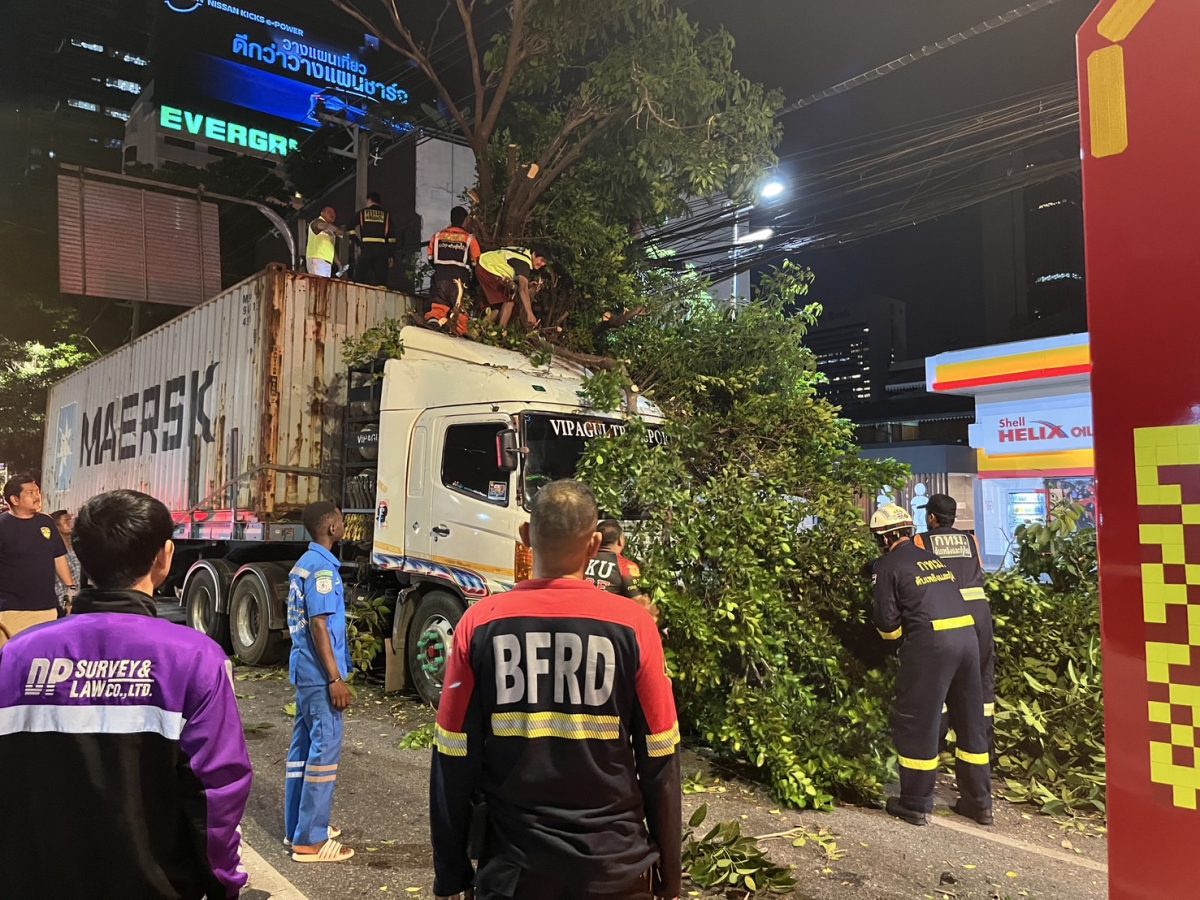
[[771, 189], [756, 236]]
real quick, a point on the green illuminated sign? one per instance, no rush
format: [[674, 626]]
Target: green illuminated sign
[[220, 131]]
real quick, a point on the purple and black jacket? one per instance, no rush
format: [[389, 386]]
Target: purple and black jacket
[[125, 766]]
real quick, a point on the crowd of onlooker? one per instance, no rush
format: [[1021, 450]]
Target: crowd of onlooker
[[134, 774]]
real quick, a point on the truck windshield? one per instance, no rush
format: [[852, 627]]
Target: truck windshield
[[556, 443]]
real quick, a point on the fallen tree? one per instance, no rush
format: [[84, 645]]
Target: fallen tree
[[1049, 697], [753, 544]]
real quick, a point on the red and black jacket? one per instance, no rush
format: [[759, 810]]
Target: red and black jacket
[[558, 709], [612, 572]]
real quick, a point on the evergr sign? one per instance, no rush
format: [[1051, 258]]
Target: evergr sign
[[221, 131]]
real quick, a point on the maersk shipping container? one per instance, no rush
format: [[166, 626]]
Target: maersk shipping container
[[231, 411]]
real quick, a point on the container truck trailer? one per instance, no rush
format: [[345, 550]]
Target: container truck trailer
[[240, 412]]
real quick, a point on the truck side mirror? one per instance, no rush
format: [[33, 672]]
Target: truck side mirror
[[508, 451]]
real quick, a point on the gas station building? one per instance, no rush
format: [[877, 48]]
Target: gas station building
[[1032, 436]]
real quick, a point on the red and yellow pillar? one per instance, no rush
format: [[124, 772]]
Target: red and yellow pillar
[[1139, 74]]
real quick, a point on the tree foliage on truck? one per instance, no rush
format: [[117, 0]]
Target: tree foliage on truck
[[754, 544], [589, 122]]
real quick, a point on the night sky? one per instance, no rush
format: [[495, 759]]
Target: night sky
[[804, 46]]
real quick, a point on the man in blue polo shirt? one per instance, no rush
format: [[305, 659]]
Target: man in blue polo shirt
[[318, 668]]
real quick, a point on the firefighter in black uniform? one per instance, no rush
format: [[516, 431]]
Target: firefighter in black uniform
[[376, 243], [917, 602], [960, 552]]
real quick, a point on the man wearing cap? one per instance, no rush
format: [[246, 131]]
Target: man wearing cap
[[918, 603], [960, 552]]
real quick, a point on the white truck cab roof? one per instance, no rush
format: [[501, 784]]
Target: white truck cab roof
[[430, 373]]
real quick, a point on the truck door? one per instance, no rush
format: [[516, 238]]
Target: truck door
[[472, 518]]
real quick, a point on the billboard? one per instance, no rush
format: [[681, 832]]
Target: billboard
[[126, 243], [264, 66]]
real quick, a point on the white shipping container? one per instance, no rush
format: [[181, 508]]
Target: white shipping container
[[233, 409]]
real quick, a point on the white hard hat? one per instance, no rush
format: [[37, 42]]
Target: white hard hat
[[890, 518]]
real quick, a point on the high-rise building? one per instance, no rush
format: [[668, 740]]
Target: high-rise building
[[1033, 252], [73, 72], [856, 343], [1054, 256]]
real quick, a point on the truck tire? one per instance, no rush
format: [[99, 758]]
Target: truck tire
[[208, 583], [429, 639], [253, 640]]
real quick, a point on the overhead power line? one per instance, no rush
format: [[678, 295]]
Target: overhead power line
[[888, 180], [925, 52]]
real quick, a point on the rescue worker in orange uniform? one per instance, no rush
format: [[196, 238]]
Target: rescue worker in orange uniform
[[960, 552], [453, 251], [917, 602]]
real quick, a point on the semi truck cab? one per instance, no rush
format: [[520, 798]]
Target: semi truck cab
[[467, 434]]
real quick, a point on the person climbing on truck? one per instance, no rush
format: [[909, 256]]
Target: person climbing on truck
[[453, 251], [504, 276]]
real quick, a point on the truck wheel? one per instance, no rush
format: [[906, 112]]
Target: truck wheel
[[249, 621], [430, 635], [207, 583]]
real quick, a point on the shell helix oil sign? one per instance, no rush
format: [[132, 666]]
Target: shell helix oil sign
[[1139, 82]]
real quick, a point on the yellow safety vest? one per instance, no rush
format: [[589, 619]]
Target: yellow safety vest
[[496, 261], [320, 244]]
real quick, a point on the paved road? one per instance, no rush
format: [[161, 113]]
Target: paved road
[[381, 805]]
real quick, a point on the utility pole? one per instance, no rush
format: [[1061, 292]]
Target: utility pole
[[359, 151], [362, 156]]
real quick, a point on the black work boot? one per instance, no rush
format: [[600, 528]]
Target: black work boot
[[981, 816], [900, 811]]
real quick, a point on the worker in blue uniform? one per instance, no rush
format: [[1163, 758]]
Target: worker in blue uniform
[[918, 602], [319, 665]]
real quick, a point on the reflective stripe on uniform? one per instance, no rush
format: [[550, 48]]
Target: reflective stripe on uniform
[[922, 765], [572, 726], [975, 759], [449, 743], [892, 635], [956, 622], [975, 593], [663, 743], [368, 240], [989, 709]]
